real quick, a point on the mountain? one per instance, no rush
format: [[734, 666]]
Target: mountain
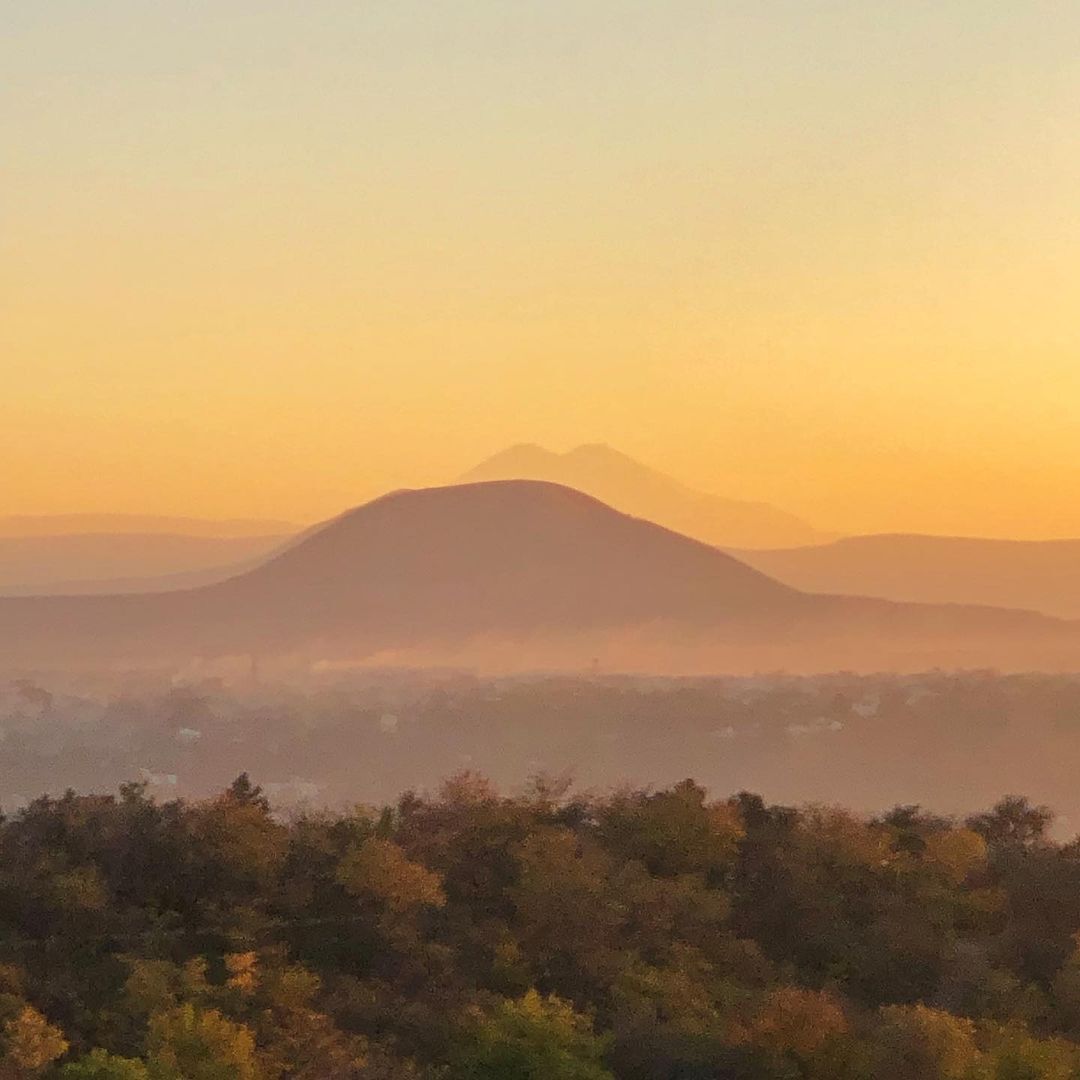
[[36, 525], [102, 562], [517, 575], [627, 485], [1038, 575]]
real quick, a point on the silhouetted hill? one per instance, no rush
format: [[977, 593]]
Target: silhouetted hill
[[1038, 575], [517, 574], [627, 485], [101, 562]]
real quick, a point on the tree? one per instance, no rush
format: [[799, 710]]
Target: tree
[[1013, 822], [243, 792], [955, 853], [797, 1023], [918, 1043], [380, 869], [532, 1038], [674, 831], [32, 1044], [100, 1065], [566, 913], [1014, 1054], [674, 1021], [192, 1044]]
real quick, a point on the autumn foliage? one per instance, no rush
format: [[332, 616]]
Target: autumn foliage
[[645, 935]]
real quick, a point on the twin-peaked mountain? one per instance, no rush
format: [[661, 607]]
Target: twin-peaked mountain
[[516, 574], [628, 485]]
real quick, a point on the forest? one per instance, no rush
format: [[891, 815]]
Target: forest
[[473, 935]]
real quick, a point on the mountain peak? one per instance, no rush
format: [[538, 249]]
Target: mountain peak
[[598, 449], [628, 485], [602, 453]]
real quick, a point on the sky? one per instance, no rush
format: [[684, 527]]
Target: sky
[[272, 258]]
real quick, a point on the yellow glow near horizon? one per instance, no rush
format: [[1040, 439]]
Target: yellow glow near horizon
[[271, 259]]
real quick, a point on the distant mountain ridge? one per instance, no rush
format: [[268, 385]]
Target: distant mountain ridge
[[634, 488], [1040, 575], [31, 525], [523, 574], [86, 562]]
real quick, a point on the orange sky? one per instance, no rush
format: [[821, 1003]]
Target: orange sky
[[260, 258]]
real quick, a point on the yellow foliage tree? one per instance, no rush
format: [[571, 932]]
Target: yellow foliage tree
[[32, 1044], [915, 1042], [796, 1021], [380, 869]]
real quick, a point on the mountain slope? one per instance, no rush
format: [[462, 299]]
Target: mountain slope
[[522, 574], [1041, 576], [627, 485]]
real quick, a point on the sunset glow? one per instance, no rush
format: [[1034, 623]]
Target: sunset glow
[[269, 259]]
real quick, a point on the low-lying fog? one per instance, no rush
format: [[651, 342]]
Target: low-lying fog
[[952, 742]]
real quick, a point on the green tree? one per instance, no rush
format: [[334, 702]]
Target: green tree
[[674, 831], [532, 1038], [192, 1044], [1014, 1054], [101, 1065]]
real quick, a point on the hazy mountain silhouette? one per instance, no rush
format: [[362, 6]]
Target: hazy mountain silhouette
[[522, 574], [102, 562], [1039, 575], [40, 525], [627, 485]]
